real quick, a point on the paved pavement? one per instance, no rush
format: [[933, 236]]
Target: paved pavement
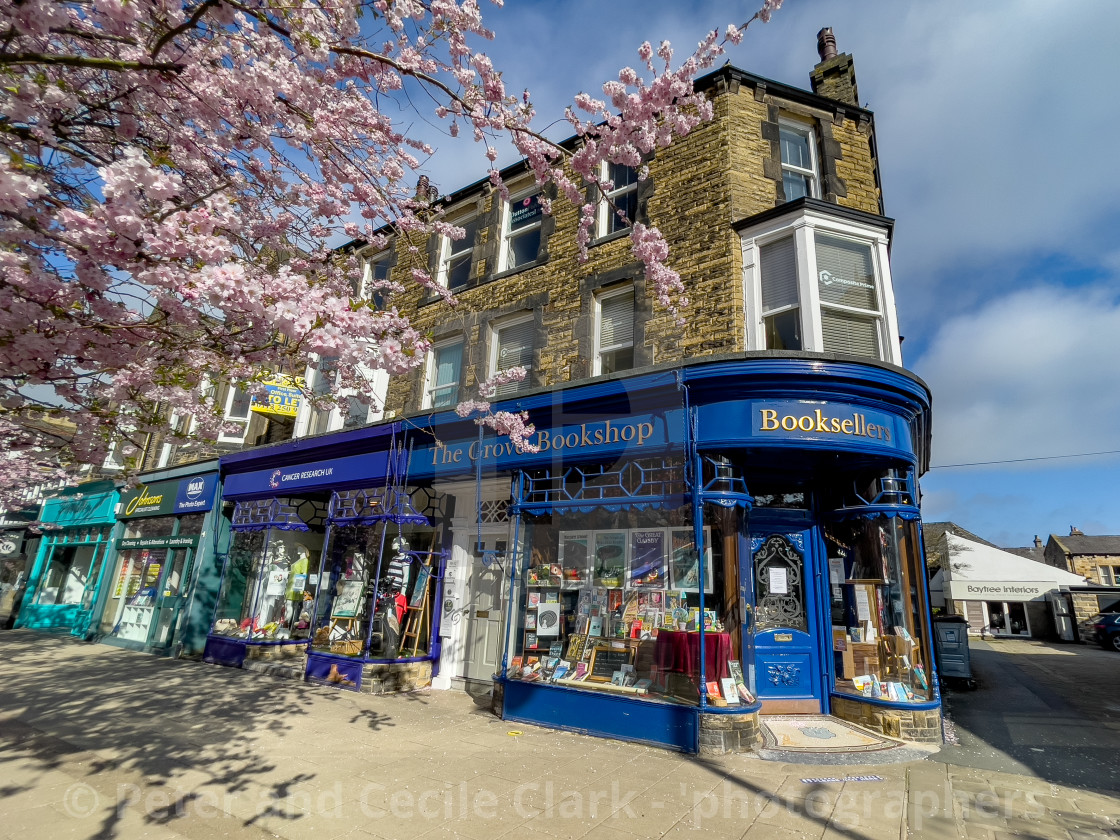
[[97, 742]]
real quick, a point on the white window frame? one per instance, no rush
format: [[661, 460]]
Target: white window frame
[[496, 329], [1109, 574], [804, 224], [114, 460], [378, 381], [231, 394], [167, 451], [451, 249], [597, 366], [807, 131], [505, 251], [430, 387], [604, 211], [364, 291]]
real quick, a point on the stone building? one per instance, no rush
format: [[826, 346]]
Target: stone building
[[1096, 558], [718, 519]]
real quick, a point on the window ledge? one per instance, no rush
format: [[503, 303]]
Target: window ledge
[[610, 237], [431, 298], [509, 272]]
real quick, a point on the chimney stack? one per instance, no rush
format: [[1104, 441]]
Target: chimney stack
[[835, 76], [1037, 542], [826, 44], [1074, 531]]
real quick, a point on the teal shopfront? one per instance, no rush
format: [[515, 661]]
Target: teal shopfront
[[69, 571]]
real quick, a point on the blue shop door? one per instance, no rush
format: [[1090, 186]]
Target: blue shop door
[[786, 649]]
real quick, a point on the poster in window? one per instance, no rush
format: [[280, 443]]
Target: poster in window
[[420, 587], [548, 620], [647, 559], [572, 554], [348, 600], [684, 561], [610, 558]]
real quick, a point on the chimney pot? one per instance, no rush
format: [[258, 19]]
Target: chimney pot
[[1037, 542], [826, 44]]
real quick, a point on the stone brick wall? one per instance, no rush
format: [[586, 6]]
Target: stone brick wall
[[729, 733], [725, 170], [905, 724], [393, 677]]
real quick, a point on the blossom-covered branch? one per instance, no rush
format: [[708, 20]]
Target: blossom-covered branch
[[173, 173]]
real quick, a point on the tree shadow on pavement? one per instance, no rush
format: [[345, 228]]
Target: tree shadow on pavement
[[115, 720]]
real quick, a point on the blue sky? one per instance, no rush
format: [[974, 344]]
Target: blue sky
[[997, 128]]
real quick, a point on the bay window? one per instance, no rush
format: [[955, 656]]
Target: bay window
[[817, 278]]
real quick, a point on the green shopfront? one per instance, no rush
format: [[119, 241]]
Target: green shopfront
[[69, 569], [165, 545]]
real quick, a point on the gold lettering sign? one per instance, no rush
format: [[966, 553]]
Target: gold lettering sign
[[783, 637], [588, 436], [820, 423], [143, 500]]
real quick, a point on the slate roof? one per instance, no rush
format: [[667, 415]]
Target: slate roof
[[1030, 553], [1080, 544]]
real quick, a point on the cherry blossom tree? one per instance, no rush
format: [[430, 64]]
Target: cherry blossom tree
[[174, 173]]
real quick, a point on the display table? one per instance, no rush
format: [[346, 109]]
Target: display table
[[678, 652]]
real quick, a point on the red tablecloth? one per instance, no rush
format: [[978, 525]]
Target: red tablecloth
[[679, 652]]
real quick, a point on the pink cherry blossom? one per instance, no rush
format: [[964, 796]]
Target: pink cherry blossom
[[173, 172]]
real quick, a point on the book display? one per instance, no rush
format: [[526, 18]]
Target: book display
[[605, 596], [875, 651]]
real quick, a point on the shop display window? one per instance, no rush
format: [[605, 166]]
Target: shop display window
[[73, 567], [379, 593], [146, 577], [879, 638], [268, 587], [610, 601]]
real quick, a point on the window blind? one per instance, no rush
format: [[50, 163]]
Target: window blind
[[515, 348], [846, 273], [844, 333], [778, 265], [616, 321]]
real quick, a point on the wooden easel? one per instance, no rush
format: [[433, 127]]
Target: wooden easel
[[417, 623]]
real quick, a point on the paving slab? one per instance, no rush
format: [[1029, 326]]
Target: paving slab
[[108, 743]]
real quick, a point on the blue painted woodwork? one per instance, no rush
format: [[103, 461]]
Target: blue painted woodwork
[[597, 713]]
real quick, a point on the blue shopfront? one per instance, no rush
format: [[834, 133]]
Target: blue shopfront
[[69, 569], [333, 565], [701, 543]]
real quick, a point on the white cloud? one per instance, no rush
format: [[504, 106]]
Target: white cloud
[[1028, 375]]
